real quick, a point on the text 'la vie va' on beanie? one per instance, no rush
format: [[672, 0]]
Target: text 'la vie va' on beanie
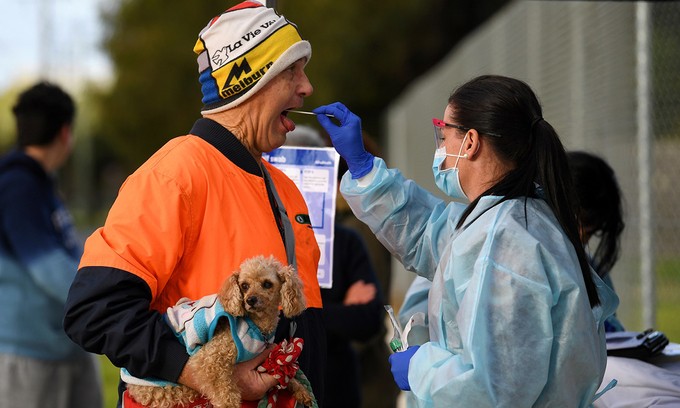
[[242, 49]]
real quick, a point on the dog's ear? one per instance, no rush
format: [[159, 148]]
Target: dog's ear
[[292, 298], [231, 296]]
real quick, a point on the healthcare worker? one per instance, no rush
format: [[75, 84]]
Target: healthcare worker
[[515, 312]]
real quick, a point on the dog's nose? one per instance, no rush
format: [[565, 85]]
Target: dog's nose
[[251, 301]]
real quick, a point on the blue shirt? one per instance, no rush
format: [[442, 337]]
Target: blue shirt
[[39, 255]]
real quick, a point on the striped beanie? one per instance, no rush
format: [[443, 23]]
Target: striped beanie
[[241, 50]]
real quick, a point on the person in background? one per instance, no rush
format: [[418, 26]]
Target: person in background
[[201, 205], [516, 314], [651, 383], [352, 308], [600, 211], [39, 253], [378, 389]]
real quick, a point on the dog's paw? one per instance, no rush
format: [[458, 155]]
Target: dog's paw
[[300, 393], [306, 399]]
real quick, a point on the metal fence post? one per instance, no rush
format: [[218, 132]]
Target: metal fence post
[[644, 159]]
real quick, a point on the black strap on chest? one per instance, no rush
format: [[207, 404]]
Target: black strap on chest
[[227, 144]]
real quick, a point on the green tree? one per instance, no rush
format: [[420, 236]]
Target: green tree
[[155, 94], [8, 98], [665, 64], [364, 54], [7, 131]]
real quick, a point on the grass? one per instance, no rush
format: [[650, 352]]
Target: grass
[[110, 376], [668, 298]]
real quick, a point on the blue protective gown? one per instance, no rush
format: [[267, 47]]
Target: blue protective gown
[[509, 318]]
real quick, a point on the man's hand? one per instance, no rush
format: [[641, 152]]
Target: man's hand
[[359, 293], [253, 384]]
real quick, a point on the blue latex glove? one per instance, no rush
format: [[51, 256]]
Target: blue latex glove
[[400, 362], [346, 137]]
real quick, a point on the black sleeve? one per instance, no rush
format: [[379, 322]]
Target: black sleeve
[[107, 312], [312, 360], [351, 263]]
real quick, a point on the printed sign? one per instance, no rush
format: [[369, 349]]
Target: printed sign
[[315, 172]]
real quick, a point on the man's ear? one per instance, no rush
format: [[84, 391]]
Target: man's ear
[[65, 132], [64, 138]]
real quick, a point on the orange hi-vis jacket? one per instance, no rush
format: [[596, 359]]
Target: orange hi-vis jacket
[[188, 217], [182, 223]]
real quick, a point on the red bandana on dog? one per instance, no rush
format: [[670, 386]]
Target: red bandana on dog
[[282, 364]]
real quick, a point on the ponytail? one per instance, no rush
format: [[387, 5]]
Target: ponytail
[[555, 178], [509, 108]]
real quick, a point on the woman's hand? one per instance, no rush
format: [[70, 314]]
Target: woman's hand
[[400, 362], [346, 137]]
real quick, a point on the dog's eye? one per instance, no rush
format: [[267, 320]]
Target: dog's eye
[[267, 284], [245, 286]]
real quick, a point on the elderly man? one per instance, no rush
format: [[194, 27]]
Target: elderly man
[[201, 205]]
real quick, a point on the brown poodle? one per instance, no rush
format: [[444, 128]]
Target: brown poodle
[[256, 290]]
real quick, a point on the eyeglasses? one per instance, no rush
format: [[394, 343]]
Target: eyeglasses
[[440, 124]]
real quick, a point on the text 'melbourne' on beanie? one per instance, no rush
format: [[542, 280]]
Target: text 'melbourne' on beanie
[[241, 50]]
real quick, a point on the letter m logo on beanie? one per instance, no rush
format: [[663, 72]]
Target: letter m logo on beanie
[[240, 50], [237, 70]]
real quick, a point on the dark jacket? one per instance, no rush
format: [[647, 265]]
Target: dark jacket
[[347, 324]]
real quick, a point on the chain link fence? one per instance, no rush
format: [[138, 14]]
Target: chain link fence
[[665, 119], [607, 76]]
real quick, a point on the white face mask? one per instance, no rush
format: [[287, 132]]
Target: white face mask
[[448, 180]]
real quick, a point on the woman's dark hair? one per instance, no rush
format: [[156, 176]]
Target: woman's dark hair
[[600, 206], [506, 107], [41, 111]]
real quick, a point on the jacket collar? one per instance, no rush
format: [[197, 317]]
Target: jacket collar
[[225, 141], [18, 158]]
